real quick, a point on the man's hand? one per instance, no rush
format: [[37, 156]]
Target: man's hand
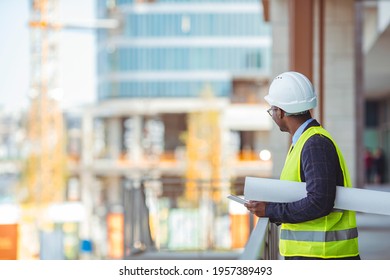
[[256, 207]]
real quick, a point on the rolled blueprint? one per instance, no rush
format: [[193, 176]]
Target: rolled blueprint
[[360, 200]]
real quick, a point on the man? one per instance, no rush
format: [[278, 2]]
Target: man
[[310, 227]]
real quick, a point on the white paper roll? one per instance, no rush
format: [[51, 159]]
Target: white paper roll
[[361, 200]]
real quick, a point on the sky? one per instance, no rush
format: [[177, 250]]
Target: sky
[[77, 55]]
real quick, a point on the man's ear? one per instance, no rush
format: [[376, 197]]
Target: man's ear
[[280, 113]]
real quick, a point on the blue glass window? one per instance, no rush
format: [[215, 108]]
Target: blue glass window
[[199, 24], [181, 58], [157, 89]]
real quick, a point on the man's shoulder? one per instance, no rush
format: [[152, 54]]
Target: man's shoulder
[[319, 141]]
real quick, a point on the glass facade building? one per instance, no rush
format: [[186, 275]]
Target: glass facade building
[[152, 131], [174, 48]]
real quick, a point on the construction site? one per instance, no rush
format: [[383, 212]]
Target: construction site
[[179, 123], [139, 164]]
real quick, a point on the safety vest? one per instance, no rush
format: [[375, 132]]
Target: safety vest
[[331, 236]]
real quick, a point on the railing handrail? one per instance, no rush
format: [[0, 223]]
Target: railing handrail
[[262, 243], [256, 245]]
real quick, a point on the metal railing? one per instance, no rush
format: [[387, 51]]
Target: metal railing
[[171, 215], [164, 216], [262, 243]]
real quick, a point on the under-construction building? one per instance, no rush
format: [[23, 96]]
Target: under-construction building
[[180, 121]]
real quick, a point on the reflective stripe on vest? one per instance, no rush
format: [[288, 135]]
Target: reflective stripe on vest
[[331, 236], [319, 236]]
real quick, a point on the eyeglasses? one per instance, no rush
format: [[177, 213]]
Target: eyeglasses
[[271, 110]]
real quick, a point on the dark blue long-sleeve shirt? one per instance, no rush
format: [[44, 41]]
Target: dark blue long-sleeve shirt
[[320, 169]]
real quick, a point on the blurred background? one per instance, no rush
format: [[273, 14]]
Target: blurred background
[[125, 124]]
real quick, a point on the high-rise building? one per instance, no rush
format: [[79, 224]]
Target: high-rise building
[[173, 48], [166, 54], [180, 96]]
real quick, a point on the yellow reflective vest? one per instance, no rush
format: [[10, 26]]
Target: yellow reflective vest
[[331, 236]]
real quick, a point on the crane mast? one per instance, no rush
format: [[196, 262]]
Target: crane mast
[[44, 174]]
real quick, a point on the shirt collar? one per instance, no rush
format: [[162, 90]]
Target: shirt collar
[[299, 131]]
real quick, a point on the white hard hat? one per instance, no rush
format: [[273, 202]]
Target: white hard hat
[[292, 92]]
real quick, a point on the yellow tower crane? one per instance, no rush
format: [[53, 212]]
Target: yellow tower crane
[[45, 170]]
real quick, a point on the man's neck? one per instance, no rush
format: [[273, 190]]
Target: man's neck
[[296, 122], [300, 130]]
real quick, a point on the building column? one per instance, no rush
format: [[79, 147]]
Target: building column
[[114, 191], [359, 166], [339, 78], [113, 183], [86, 176], [136, 154], [114, 137], [301, 37], [279, 142]]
